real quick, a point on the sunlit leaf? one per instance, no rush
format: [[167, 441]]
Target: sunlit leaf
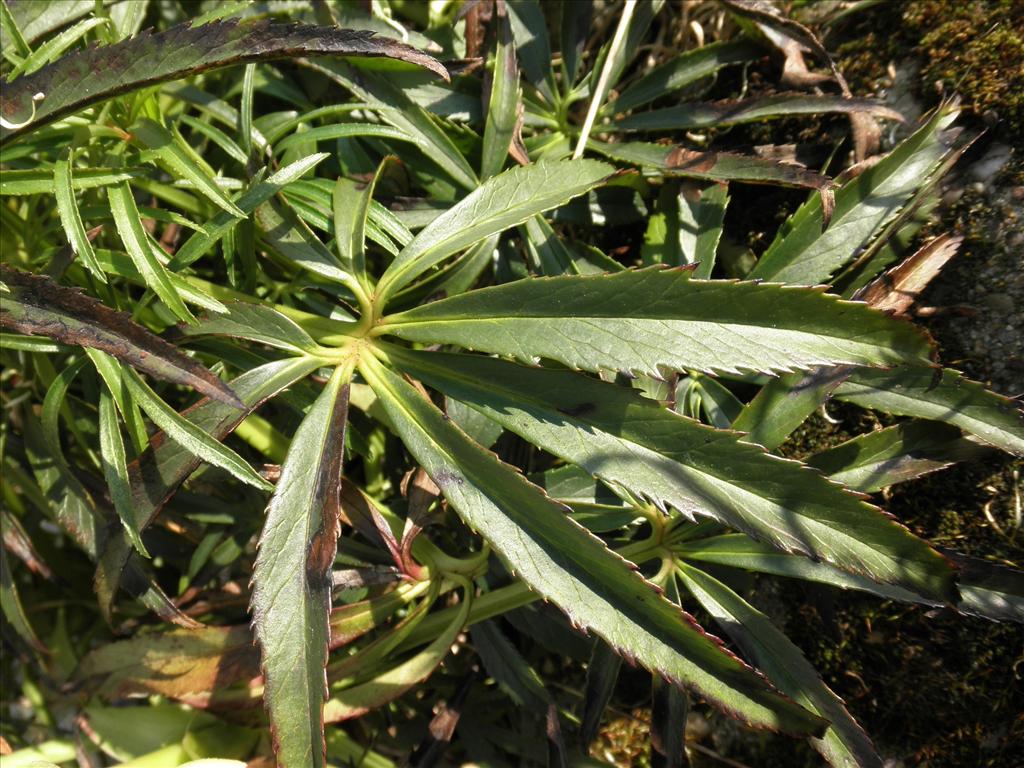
[[632, 442], [95, 74], [291, 596], [570, 567], [652, 321]]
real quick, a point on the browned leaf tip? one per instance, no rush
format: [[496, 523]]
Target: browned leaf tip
[[896, 290], [40, 307]]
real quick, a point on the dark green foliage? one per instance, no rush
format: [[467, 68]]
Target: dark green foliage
[[408, 370]]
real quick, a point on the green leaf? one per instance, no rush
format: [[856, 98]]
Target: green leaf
[[188, 435], [158, 473], [54, 47], [71, 219], [11, 605], [681, 71], [341, 131], [178, 160], [530, 33], [120, 264], [710, 114], [986, 589], [989, 590], [504, 104], [217, 136], [256, 322], [41, 182], [701, 217], [115, 470], [625, 439], [949, 397], [737, 550], [553, 257], [350, 219], [258, 193], [96, 74], [38, 306], [602, 675], [389, 685], [499, 203], [803, 253], [656, 320], [783, 404], [509, 669], [397, 108], [291, 596], [712, 165], [902, 452], [14, 38], [281, 229], [844, 743], [565, 564], [142, 250]]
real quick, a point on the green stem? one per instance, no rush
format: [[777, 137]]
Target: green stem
[[505, 599]]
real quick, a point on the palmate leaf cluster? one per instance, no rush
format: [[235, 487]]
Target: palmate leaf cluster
[[320, 353]]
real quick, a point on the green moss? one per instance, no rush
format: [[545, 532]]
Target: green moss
[[974, 49]]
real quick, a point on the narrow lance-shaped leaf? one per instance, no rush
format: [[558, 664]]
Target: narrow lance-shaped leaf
[[141, 248], [40, 307], [54, 47], [986, 589], [902, 452], [177, 159], [281, 229], [99, 73], [701, 217], [351, 207], [681, 71], [187, 434], [711, 165], [405, 114], [803, 253], [602, 675], [625, 439], [504, 107], [11, 605], [948, 397], [115, 470], [257, 194], [71, 219], [499, 203], [656, 320], [533, 46], [342, 131], [572, 568], [708, 114], [41, 182], [255, 322], [389, 685], [291, 596], [844, 745], [669, 708]]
